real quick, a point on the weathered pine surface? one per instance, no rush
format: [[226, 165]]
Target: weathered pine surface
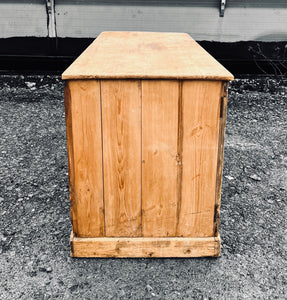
[[159, 155], [83, 111], [145, 247], [146, 55], [121, 115], [201, 110], [145, 151]]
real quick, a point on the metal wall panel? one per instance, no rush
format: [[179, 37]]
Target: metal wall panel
[[23, 18], [242, 21]]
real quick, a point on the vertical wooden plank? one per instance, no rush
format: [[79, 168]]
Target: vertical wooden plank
[[220, 157], [70, 150], [159, 152], [201, 108], [83, 115], [121, 115]]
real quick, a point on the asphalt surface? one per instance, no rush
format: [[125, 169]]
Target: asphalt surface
[[35, 217]]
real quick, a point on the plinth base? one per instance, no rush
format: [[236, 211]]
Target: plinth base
[[144, 246]]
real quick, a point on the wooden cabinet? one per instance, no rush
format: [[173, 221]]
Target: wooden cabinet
[[145, 117]]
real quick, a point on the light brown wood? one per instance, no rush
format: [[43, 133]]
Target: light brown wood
[[83, 117], [146, 55], [201, 108], [144, 247], [145, 132], [220, 157], [121, 115], [159, 154]]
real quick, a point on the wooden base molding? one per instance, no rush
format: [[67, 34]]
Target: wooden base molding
[[144, 246]]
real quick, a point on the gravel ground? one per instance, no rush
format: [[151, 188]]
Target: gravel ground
[[35, 221]]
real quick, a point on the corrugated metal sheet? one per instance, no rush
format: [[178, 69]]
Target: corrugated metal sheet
[[244, 20]]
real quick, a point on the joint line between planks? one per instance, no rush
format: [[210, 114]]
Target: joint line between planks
[[179, 153], [141, 92], [104, 207]]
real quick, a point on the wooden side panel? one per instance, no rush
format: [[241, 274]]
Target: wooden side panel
[[121, 115], [83, 117], [159, 153], [220, 157], [145, 247], [201, 108]]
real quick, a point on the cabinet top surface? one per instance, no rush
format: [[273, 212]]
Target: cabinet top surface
[[146, 55]]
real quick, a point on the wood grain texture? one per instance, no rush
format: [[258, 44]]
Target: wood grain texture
[[70, 149], [146, 55], [201, 108], [159, 154], [220, 156], [144, 247], [121, 115], [83, 117]]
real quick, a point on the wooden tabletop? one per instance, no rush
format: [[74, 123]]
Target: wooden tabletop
[[145, 55]]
